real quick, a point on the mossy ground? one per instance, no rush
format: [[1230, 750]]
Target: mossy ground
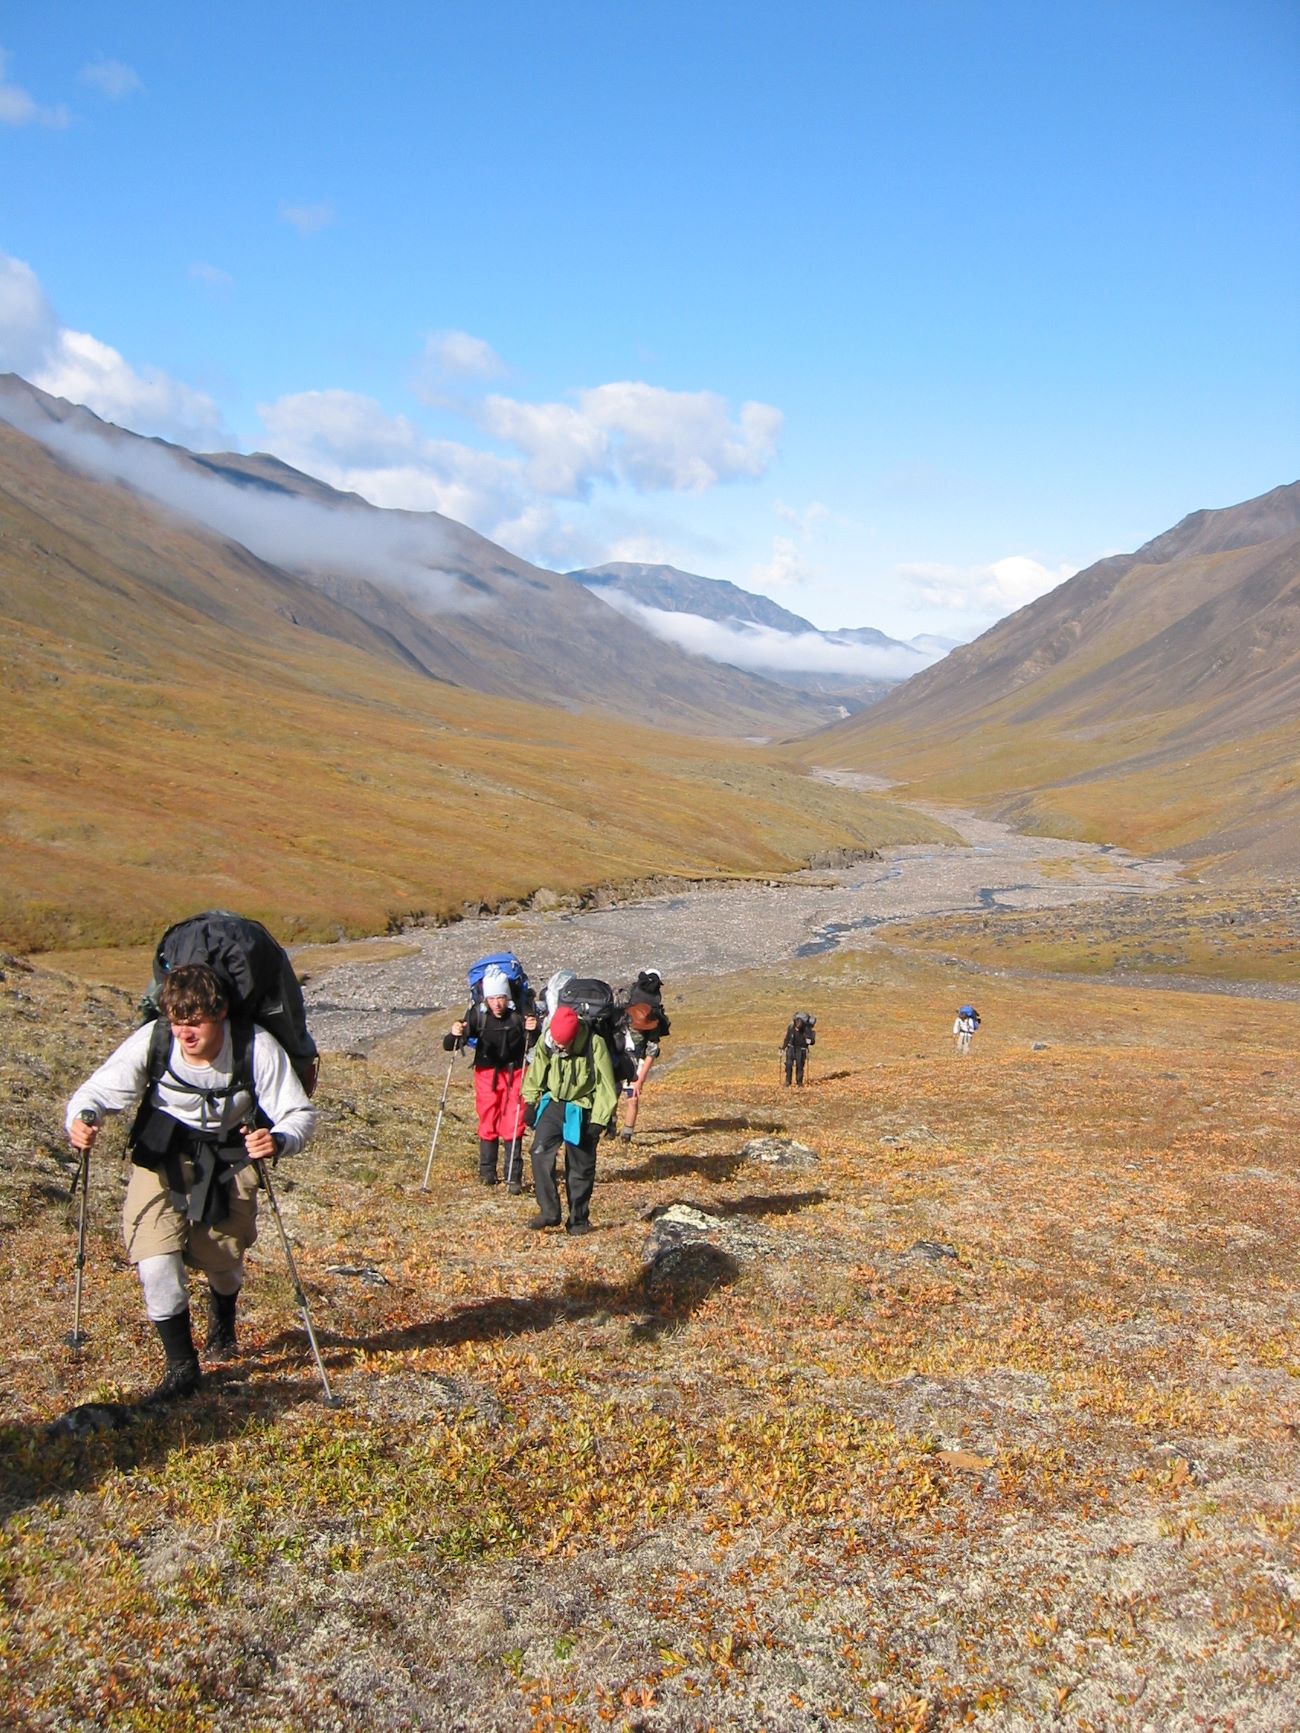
[[996, 1424]]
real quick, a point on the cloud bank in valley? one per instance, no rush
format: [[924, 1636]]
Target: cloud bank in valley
[[299, 535], [521, 485], [762, 648]]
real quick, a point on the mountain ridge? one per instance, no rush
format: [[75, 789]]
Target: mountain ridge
[[1155, 693], [459, 606]]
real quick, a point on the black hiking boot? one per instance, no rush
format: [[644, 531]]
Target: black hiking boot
[[582, 1227], [538, 1222], [515, 1188], [487, 1160], [221, 1344], [182, 1376]]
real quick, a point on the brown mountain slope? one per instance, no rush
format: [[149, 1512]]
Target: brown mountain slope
[[188, 725], [444, 598], [1153, 699]]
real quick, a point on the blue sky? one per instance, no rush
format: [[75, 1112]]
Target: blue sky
[[895, 312]]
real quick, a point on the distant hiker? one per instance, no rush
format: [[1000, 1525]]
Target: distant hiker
[[570, 1097], [200, 1083], [502, 1025], [967, 1022], [645, 1025], [799, 1037]]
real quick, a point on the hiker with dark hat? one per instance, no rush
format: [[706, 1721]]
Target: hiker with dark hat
[[645, 1023], [799, 1037], [503, 1035], [570, 1097], [219, 1098]]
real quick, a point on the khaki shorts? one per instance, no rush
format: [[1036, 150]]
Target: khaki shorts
[[154, 1222]]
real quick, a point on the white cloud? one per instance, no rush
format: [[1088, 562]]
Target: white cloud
[[84, 370], [18, 108], [635, 434], [355, 444], [112, 78], [77, 366], [308, 219], [785, 569], [455, 354], [28, 327], [212, 275], [565, 452], [805, 522], [760, 648], [991, 591]]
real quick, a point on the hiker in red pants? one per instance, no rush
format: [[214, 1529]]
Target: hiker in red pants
[[503, 1035]]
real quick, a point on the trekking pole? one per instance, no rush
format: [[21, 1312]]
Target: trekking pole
[[264, 1180], [87, 1116], [446, 1085]]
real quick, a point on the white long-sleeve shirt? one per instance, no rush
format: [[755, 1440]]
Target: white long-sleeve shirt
[[120, 1081]]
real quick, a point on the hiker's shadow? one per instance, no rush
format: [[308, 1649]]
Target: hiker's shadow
[[830, 1077], [767, 1126], [96, 1439], [776, 1204], [650, 1304], [713, 1167]]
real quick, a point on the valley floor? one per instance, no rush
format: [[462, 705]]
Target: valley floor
[[721, 930]]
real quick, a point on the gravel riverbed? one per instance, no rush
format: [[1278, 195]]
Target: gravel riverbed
[[718, 930]]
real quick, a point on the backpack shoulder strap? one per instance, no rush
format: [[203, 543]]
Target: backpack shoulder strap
[[160, 1051], [242, 1036]]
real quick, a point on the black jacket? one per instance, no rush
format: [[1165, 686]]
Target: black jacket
[[501, 1042]]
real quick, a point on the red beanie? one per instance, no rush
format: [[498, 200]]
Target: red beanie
[[564, 1025]]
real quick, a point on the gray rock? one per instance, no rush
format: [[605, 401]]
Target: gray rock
[[688, 1270], [367, 1273], [779, 1152]]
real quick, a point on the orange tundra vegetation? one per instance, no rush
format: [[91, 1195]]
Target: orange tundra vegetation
[[985, 1416]]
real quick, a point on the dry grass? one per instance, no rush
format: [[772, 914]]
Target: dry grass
[[992, 1420], [348, 797], [1200, 933]]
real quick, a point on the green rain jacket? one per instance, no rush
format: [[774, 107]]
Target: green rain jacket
[[582, 1073]]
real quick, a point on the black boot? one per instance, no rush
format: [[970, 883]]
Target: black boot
[[182, 1376], [487, 1160], [221, 1344]]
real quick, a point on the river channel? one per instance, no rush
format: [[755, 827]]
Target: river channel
[[722, 929]]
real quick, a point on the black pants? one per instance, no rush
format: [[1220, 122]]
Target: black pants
[[795, 1060], [579, 1165]]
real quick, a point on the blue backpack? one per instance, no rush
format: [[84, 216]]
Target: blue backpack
[[521, 994]]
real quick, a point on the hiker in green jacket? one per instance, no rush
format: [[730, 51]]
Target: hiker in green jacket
[[570, 1097]]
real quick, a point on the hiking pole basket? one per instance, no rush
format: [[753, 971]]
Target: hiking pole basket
[[442, 1107], [76, 1339], [264, 1180]]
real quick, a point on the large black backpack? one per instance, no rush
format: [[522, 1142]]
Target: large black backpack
[[595, 1003], [255, 972]]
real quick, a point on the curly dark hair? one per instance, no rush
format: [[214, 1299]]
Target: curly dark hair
[[191, 991]]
